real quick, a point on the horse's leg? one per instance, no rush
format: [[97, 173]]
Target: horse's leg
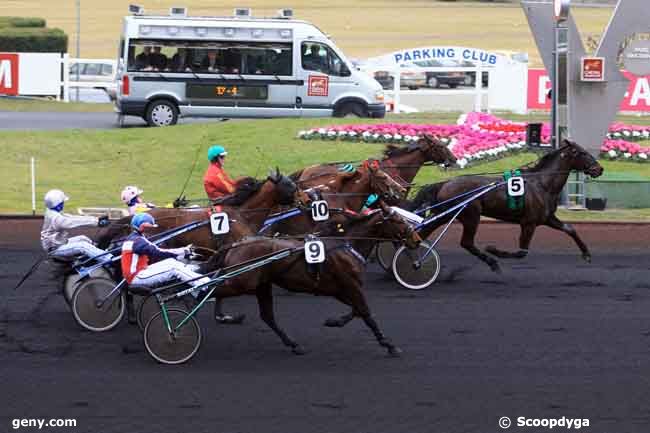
[[556, 224], [340, 322], [352, 295], [470, 219], [226, 319], [526, 235], [265, 301]]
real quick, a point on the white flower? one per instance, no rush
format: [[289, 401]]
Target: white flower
[[626, 133], [322, 131], [461, 162], [397, 137], [643, 156], [388, 136], [301, 134], [612, 153], [461, 119], [342, 133], [646, 133], [375, 136], [366, 134], [627, 155], [617, 134], [636, 133]]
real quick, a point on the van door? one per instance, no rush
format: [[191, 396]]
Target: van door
[[325, 77]]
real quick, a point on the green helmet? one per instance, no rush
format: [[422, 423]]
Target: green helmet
[[216, 151]]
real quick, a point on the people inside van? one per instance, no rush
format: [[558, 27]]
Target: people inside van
[[211, 62], [216, 181], [143, 60], [312, 60], [158, 60], [180, 61]]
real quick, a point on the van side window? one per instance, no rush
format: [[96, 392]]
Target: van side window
[[321, 58]]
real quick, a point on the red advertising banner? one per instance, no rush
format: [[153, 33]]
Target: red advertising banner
[[318, 85], [8, 74], [637, 97]]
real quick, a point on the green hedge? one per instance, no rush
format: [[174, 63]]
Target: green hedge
[[33, 40], [21, 22]]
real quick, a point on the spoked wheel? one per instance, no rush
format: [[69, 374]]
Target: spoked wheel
[[418, 268], [94, 309], [176, 347], [385, 252], [149, 307], [70, 283]]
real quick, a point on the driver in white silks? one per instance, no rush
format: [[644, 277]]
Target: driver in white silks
[[55, 238], [146, 265]]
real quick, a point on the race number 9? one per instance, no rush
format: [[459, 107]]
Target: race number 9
[[320, 211], [219, 223], [516, 186], [314, 252]]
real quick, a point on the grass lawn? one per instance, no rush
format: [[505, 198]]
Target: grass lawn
[[92, 166], [361, 28]]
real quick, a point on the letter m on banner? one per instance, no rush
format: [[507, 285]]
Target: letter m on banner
[[8, 74]]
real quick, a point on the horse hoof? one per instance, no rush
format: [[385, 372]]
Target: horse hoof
[[586, 258], [333, 323], [227, 319], [394, 352], [496, 268], [491, 249], [298, 350]]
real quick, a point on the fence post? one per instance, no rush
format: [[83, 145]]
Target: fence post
[[66, 77], [478, 87], [396, 88], [33, 170]]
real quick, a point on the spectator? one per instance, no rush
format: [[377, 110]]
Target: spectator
[[180, 61], [158, 60], [211, 62], [143, 60], [312, 61]]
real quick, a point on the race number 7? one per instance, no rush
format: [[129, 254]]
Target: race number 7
[[320, 211], [219, 223], [516, 186], [314, 252]]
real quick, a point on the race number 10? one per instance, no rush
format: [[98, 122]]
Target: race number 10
[[219, 223], [314, 252], [320, 211], [516, 186]]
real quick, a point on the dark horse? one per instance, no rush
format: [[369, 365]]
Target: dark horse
[[543, 183], [341, 275]]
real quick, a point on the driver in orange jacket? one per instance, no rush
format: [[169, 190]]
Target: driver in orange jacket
[[216, 181]]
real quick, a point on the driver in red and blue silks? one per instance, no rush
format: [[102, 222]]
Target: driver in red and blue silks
[[144, 264]]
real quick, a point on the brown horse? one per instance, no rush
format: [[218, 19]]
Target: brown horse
[[402, 163], [341, 276], [543, 184]]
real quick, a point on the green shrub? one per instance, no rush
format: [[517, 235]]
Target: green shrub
[[21, 22], [33, 40]]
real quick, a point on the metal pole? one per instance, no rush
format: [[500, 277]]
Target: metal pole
[[33, 186], [396, 89], [478, 88], [78, 4]]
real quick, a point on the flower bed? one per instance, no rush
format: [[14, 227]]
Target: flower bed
[[479, 137]]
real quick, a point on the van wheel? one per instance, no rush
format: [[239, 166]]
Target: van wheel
[[161, 113], [351, 109]]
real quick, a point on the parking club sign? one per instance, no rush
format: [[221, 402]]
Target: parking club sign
[[8, 74]]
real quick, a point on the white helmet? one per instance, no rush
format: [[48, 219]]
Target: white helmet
[[130, 192], [54, 197]]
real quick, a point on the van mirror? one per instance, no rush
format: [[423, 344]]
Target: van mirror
[[345, 71]]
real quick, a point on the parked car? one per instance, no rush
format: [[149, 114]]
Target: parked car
[[413, 80], [452, 79], [470, 77], [102, 72]]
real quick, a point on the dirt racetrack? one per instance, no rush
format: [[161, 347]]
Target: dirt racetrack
[[551, 337]]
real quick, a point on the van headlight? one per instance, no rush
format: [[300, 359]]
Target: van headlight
[[379, 96]]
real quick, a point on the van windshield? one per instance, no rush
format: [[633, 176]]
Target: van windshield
[[210, 57]]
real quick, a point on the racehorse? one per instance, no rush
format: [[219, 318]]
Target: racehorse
[[543, 184], [401, 162], [341, 276]]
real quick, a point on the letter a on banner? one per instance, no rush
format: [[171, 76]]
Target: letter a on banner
[[8, 74]]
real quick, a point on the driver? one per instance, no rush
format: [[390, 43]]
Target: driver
[[216, 181], [144, 264], [54, 236], [131, 198]]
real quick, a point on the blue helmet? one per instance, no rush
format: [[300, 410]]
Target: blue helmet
[[216, 151], [141, 218]]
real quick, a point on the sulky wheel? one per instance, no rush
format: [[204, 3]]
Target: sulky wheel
[[149, 307], [71, 282], [416, 268], [385, 252], [94, 309], [176, 347]]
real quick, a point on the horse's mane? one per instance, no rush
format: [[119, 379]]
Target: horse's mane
[[245, 189], [543, 162], [393, 150]]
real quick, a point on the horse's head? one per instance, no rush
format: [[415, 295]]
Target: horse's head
[[393, 226], [285, 188], [435, 151], [382, 184], [580, 159]]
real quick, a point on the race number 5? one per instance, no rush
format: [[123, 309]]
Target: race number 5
[[314, 252], [219, 223], [516, 186], [320, 211]]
